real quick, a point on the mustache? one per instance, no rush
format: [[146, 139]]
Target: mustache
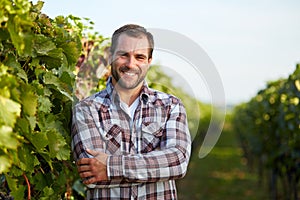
[[128, 69]]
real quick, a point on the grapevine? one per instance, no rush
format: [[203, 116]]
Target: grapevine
[[37, 60], [268, 127]]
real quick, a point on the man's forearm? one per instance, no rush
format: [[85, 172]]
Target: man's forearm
[[154, 166]]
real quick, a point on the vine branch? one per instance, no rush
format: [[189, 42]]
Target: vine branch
[[28, 186]]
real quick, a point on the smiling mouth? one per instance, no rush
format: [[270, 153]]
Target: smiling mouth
[[129, 73]]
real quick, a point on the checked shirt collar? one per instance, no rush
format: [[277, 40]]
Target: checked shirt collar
[[112, 96]]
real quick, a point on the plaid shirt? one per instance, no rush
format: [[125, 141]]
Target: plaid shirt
[[146, 153]]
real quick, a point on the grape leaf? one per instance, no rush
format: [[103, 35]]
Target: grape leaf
[[43, 45], [71, 51], [48, 193], [51, 79], [9, 111], [17, 190], [53, 59], [44, 104], [21, 40], [4, 35], [32, 121], [39, 140], [7, 139], [5, 164], [27, 160], [29, 101], [57, 145]]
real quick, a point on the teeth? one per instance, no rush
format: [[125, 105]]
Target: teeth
[[129, 74]]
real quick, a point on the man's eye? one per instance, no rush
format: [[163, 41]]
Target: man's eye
[[122, 54], [141, 57]]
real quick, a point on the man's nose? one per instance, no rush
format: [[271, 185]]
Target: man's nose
[[131, 61]]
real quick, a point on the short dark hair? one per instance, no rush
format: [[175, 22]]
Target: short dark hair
[[132, 30]]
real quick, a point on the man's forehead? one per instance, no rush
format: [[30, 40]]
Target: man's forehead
[[129, 43]]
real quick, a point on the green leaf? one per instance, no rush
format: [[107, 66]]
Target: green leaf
[[53, 59], [57, 145], [67, 77], [4, 35], [9, 111], [8, 84], [17, 190], [51, 79], [41, 90], [15, 169], [48, 193], [297, 84], [61, 179], [5, 164], [39, 141], [38, 6], [12, 61], [7, 139], [12, 182], [32, 122], [72, 52], [43, 45], [23, 125], [29, 101], [41, 179], [44, 104], [27, 160], [51, 122], [46, 156], [21, 40]]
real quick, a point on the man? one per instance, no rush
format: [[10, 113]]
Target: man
[[130, 141]]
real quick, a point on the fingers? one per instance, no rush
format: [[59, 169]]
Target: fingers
[[83, 161], [92, 170], [83, 168], [86, 174], [85, 171], [91, 174], [90, 180]]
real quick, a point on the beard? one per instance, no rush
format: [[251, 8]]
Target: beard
[[123, 81]]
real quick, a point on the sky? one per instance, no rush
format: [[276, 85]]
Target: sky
[[249, 42]]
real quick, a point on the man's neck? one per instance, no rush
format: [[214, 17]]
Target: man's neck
[[128, 96]]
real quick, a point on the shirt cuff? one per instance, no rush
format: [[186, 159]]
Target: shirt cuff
[[115, 167]]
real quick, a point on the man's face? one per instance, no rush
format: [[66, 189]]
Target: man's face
[[130, 61]]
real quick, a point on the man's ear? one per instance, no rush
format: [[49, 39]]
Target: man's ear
[[109, 58], [149, 61]]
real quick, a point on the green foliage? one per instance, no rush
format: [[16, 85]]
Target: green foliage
[[268, 127], [37, 59]]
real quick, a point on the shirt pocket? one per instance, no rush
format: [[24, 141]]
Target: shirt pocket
[[152, 134], [113, 138]]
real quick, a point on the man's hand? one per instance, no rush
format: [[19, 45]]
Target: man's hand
[[93, 170]]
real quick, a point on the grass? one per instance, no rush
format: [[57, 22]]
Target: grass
[[221, 175]]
